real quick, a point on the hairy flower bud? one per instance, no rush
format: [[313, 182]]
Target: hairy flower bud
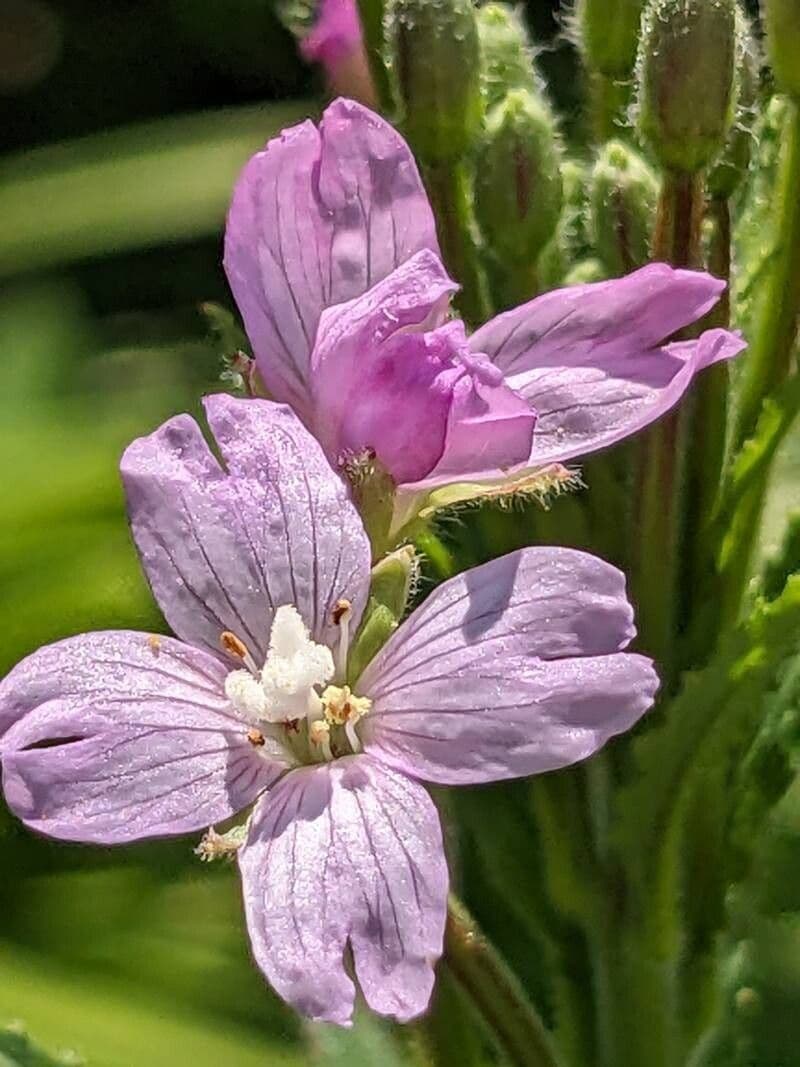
[[622, 203], [394, 578], [728, 171], [569, 243], [782, 19], [607, 32], [434, 59], [518, 177], [685, 75], [507, 55]]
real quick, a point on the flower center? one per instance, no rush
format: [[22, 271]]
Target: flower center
[[280, 702]]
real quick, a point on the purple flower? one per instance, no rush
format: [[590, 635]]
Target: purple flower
[[335, 41], [332, 257], [262, 567]]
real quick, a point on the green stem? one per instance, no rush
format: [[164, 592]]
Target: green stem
[[449, 188], [660, 460], [495, 992], [370, 13], [769, 359], [708, 420]]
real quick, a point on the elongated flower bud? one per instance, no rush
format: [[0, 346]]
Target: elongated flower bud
[[622, 204], [569, 243], [518, 177], [607, 32], [731, 166], [685, 75], [507, 55], [782, 19], [434, 60]]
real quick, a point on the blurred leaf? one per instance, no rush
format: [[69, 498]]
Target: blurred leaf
[[17, 1050], [131, 188]]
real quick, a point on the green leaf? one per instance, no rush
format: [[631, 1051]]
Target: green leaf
[[711, 723]]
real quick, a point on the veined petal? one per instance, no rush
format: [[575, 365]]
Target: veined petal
[[317, 218], [121, 735], [582, 409], [509, 669], [482, 722], [346, 852], [225, 548], [589, 358]]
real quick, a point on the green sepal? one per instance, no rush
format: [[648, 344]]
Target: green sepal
[[393, 579], [539, 485], [377, 626]]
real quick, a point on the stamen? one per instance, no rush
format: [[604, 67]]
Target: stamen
[[342, 614], [154, 644], [256, 738], [214, 846], [352, 736], [236, 647], [319, 734]]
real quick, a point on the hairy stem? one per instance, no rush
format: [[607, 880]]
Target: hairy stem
[[660, 460], [449, 189], [370, 13], [495, 992]]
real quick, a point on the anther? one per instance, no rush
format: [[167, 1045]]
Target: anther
[[234, 646], [154, 644], [256, 738], [231, 643], [319, 734], [340, 609]]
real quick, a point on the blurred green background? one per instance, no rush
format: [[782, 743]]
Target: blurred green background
[[122, 127]]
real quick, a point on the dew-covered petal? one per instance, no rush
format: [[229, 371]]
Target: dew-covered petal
[[589, 358], [347, 851], [485, 721], [224, 548], [317, 218], [121, 735], [509, 669]]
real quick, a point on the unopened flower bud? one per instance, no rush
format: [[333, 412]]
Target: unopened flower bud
[[782, 19], [685, 75], [518, 189], [393, 579], [728, 171], [507, 55], [569, 242], [622, 204], [606, 34], [434, 61]]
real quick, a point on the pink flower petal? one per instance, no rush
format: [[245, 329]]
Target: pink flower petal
[[347, 851], [140, 740], [589, 358], [223, 549], [318, 218], [509, 669]]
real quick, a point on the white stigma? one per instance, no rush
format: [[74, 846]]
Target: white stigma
[[284, 689]]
